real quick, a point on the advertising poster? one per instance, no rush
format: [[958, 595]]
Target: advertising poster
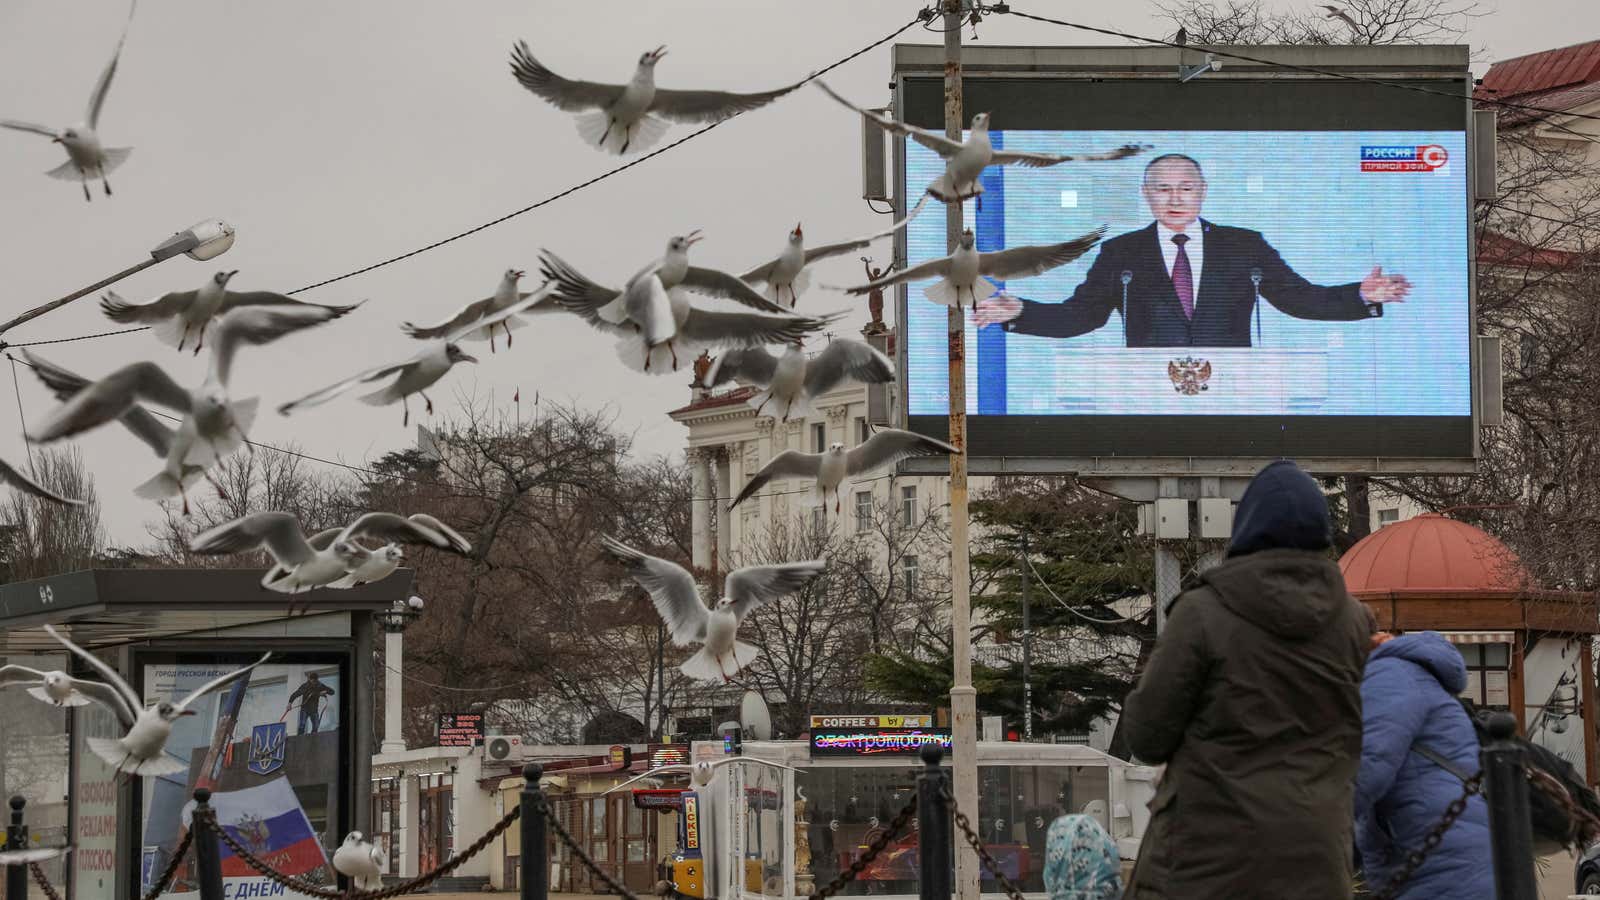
[[94, 825], [268, 749]]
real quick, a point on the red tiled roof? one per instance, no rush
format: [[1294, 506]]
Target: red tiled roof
[[1500, 250], [1546, 70], [712, 401]]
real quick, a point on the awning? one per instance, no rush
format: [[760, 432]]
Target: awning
[[1479, 637]]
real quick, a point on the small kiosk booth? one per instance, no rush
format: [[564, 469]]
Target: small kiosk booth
[[764, 832], [285, 751]]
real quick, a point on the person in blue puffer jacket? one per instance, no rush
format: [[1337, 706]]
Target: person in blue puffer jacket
[[1408, 697]]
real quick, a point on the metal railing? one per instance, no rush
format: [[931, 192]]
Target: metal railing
[[1504, 782]]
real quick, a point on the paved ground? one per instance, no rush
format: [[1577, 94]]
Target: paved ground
[[512, 895]]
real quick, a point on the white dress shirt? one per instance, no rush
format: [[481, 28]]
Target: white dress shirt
[[1195, 248]]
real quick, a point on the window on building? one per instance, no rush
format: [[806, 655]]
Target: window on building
[[863, 431], [819, 437], [1488, 674], [908, 505], [1528, 352], [908, 571], [863, 510], [1388, 517], [819, 518]]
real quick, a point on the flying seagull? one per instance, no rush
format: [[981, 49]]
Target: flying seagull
[[699, 773], [299, 566], [651, 314], [505, 296], [86, 157], [175, 477], [792, 380], [142, 750], [365, 566], [1335, 12], [414, 375], [32, 855], [632, 116], [213, 424], [13, 476], [360, 860], [966, 160], [966, 271], [55, 687], [830, 468], [677, 600], [787, 272], [180, 315]]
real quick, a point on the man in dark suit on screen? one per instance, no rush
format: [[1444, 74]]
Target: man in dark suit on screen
[[1182, 281]]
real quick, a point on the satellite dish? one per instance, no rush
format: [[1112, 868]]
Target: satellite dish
[[754, 717]]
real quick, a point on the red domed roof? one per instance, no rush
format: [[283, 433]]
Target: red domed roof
[[1431, 552]]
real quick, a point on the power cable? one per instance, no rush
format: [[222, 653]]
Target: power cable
[[22, 418], [1345, 76], [1067, 606]]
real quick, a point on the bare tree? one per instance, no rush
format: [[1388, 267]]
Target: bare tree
[[44, 538], [1246, 22]]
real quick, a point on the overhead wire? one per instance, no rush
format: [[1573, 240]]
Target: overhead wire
[[1069, 607]]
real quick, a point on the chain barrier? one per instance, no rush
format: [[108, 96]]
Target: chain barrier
[[43, 882], [1416, 858], [989, 862], [897, 825], [1585, 828], [171, 871], [554, 821], [405, 887]]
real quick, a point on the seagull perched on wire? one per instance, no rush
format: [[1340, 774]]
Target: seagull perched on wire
[[830, 468], [787, 272], [180, 315], [414, 375], [176, 475], [967, 272], [632, 116], [504, 297], [793, 381], [142, 750], [651, 313], [300, 566], [966, 160], [13, 476], [213, 425], [677, 600], [700, 773], [86, 158], [360, 860]]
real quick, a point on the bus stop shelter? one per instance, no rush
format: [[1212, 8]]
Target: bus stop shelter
[[291, 745]]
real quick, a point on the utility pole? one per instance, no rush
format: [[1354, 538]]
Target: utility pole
[[1027, 643], [963, 696]]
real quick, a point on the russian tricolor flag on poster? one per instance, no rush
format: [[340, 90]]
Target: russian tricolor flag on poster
[[268, 820]]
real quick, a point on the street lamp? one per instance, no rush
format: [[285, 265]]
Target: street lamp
[[394, 621], [201, 241]]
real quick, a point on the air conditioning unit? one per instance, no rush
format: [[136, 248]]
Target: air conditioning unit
[[502, 747]]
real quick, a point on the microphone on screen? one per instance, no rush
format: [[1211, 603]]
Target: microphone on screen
[[1255, 285], [1127, 279]]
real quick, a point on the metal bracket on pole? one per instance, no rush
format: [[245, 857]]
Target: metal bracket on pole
[[1187, 74]]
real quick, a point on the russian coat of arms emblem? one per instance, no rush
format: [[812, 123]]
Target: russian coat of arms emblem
[[1189, 375]]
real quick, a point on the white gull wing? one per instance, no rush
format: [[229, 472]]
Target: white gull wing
[[888, 447], [934, 267], [746, 365], [112, 396], [218, 682], [788, 464], [323, 395], [13, 476], [653, 773], [401, 530], [457, 543], [102, 87], [278, 532], [753, 586], [845, 358], [1021, 262], [562, 93], [1039, 160], [257, 325], [670, 587], [594, 303], [165, 307], [933, 140], [716, 283], [705, 107], [747, 329], [65, 383], [19, 125], [15, 674], [130, 705]]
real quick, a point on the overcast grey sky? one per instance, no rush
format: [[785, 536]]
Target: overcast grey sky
[[332, 135]]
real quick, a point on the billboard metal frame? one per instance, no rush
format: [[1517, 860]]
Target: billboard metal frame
[[1446, 64]]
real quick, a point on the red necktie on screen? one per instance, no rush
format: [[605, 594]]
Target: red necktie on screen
[[1182, 277]]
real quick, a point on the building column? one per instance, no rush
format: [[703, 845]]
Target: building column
[[764, 451], [701, 500], [410, 792], [393, 655], [724, 516]]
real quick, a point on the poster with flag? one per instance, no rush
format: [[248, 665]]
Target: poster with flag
[[267, 820]]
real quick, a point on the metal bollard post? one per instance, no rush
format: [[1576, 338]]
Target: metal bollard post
[[207, 854], [535, 863], [1510, 822], [933, 827], [17, 839]]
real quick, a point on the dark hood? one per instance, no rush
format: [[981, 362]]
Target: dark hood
[[1292, 593], [1431, 651], [1283, 508]]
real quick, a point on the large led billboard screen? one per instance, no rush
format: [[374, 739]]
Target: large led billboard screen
[[1285, 272]]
